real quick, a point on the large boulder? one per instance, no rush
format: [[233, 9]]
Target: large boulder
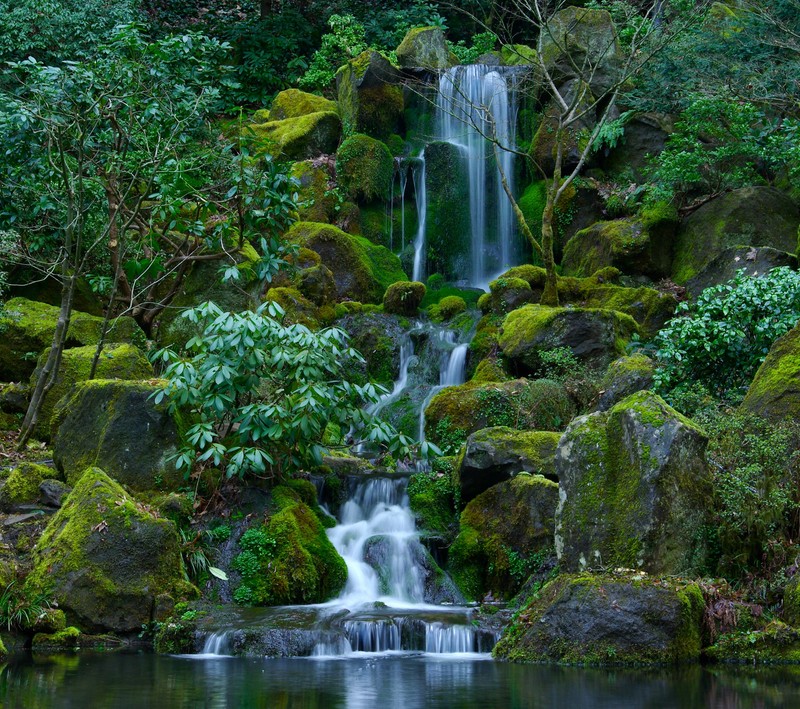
[[316, 199], [621, 619], [500, 532], [116, 425], [362, 271], [774, 392], [116, 361], [751, 216], [404, 297], [625, 376], [106, 558], [364, 168], [636, 245], [378, 337], [634, 489], [425, 48], [645, 135], [370, 95], [595, 336], [456, 412], [300, 138], [28, 328], [293, 103], [582, 43], [753, 260], [494, 455]]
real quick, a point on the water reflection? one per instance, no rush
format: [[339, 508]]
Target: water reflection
[[386, 682]]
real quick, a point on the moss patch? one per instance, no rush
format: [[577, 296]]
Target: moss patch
[[22, 485], [299, 138], [364, 168], [293, 103]]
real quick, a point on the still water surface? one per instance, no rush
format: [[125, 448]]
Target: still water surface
[[120, 681]]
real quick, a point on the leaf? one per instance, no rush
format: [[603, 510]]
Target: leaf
[[218, 573]]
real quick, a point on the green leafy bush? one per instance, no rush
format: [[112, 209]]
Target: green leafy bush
[[346, 40], [482, 43], [720, 339]]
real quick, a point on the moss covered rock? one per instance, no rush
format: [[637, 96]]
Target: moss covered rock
[[116, 361], [289, 559], [751, 216], [425, 48], [362, 271], [753, 260], [14, 398], [404, 297], [625, 376], [317, 202], [776, 644], [500, 531], [634, 489], [518, 55], [22, 485], [370, 95], [105, 558], [293, 103], [116, 425], [507, 294], [296, 307], [621, 619], [378, 338], [307, 136], [364, 167], [431, 497], [28, 328], [595, 336], [636, 245], [775, 391], [456, 412], [447, 308], [493, 455]]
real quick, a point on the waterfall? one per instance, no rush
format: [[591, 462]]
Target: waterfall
[[466, 94], [420, 191], [452, 368], [218, 643]]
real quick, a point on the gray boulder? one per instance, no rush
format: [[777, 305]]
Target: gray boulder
[[425, 48], [625, 376]]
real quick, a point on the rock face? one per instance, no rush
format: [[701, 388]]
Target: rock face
[[117, 361], [116, 425], [425, 48], [595, 336], [500, 530], [634, 489], [754, 260], [625, 376], [370, 96], [493, 455], [607, 620], [775, 391], [28, 327], [106, 558], [361, 270], [751, 216], [583, 38]]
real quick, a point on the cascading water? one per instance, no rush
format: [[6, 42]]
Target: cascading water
[[420, 190]]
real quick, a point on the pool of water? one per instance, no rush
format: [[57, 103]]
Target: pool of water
[[119, 680]]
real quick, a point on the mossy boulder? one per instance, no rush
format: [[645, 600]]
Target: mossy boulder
[[317, 202], [370, 95], [625, 376], [493, 455], [22, 484], [507, 294], [361, 270], [620, 619], [775, 644], [106, 559], [753, 260], [595, 336], [300, 138], [500, 531], [116, 425], [403, 298], [644, 135], [791, 601], [425, 48], [636, 245], [378, 338], [116, 361], [289, 558], [751, 216], [447, 308], [578, 38], [28, 328], [774, 392], [293, 103], [364, 168], [447, 227], [14, 398], [634, 489], [316, 283], [456, 412], [296, 307]]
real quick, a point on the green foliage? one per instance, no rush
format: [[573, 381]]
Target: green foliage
[[627, 18], [720, 339], [346, 40], [482, 43], [262, 393], [432, 496], [20, 606]]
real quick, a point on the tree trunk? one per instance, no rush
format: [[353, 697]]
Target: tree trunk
[[550, 294]]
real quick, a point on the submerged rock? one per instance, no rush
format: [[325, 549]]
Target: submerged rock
[[624, 619], [105, 558], [634, 489], [494, 455], [116, 425], [500, 532]]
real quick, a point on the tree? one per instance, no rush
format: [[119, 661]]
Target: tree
[[101, 163], [580, 69]]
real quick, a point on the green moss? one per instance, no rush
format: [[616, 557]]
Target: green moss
[[360, 269], [293, 103], [439, 293], [432, 498], [489, 370], [777, 643], [518, 55], [317, 203], [298, 138], [404, 298], [67, 639], [3, 651], [447, 308], [289, 559], [297, 308], [22, 485], [364, 167], [773, 391], [425, 47]]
